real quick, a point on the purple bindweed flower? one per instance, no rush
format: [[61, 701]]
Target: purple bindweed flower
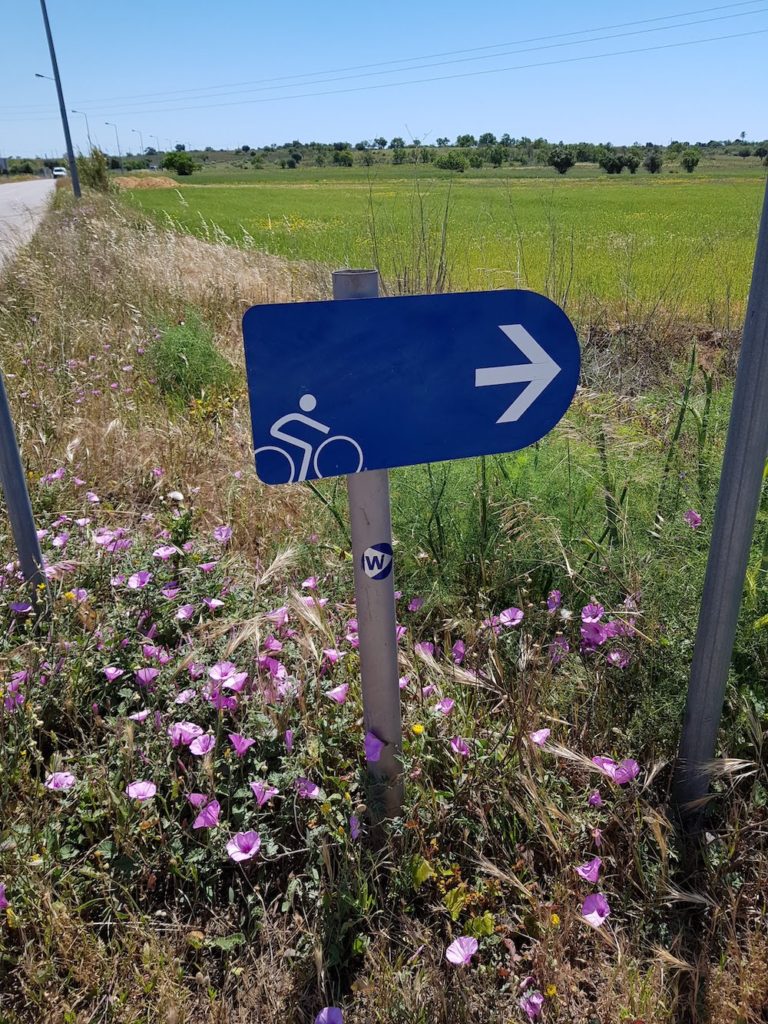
[[112, 673], [692, 518], [458, 651], [445, 706], [21, 607], [60, 780], [202, 745], [461, 951], [184, 697], [460, 746], [279, 616], [373, 747], [597, 836], [329, 1015], [595, 909], [262, 792], [243, 846], [240, 743], [354, 827], [595, 799], [593, 634], [208, 566], [139, 580], [338, 693], [198, 799], [140, 716], [332, 655], [141, 790], [532, 1004], [164, 552], [4, 904], [425, 648], [590, 871], [511, 617], [540, 737], [307, 789], [182, 733], [403, 682], [416, 604], [147, 676], [310, 583], [618, 658], [592, 612], [288, 740], [223, 534], [208, 816], [621, 773], [554, 600], [213, 603]]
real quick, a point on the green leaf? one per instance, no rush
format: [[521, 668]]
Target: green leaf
[[454, 901], [421, 870], [226, 942]]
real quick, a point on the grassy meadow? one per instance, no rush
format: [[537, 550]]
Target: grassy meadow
[[623, 245], [185, 826]]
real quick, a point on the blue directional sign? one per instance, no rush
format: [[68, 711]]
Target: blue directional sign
[[347, 386]]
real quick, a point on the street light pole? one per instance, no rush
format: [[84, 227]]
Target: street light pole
[[141, 139], [65, 123], [87, 128], [117, 140]]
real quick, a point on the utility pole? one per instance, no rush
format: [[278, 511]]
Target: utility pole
[[87, 127], [62, 107], [141, 138], [117, 140]]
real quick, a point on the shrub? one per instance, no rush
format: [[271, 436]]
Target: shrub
[[689, 160], [612, 163], [452, 162], [653, 163], [631, 162], [561, 159], [343, 158], [94, 170], [475, 160], [180, 162], [187, 366]]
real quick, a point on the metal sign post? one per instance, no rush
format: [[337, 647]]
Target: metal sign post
[[16, 494], [738, 498], [369, 516]]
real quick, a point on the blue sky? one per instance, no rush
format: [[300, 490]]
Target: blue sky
[[224, 74]]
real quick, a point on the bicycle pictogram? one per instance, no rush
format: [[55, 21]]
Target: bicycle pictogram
[[349, 461]]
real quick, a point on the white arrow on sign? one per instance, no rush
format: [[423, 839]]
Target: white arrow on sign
[[539, 372]]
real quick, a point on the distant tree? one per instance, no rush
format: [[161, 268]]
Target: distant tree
[[416, 142], [339, 146], [426, 155], [296, 155], [612, 162], [180, 147], [506, 140], [765, 161], [451, 162], [150, 151], [689, 161], [245, 149], [361, 146], [761, 151], [380, 143], [343, 158], [497, 155], [561, 159], [443, 141], [653, 162], [632, 160], [320, 158], [208, 149], [290, 163], [744, 151], [466, 141], [367, 159], [487, 139], [397, 143], [398, 154], [180, 162], [475, 160]]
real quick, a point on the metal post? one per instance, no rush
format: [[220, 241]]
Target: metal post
[[117, 140], [737, 503], [87, 128], [375, 598], [16, 494], [141, 139], [67, 138]]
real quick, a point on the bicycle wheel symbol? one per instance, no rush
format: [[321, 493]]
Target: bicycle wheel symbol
[[266, 467], [339, 462]]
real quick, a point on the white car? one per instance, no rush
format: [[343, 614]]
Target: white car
[[59, 172]]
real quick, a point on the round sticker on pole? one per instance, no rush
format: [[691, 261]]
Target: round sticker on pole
[[377, 561]]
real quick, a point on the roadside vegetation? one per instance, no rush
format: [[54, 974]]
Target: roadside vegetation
[[184, 825]]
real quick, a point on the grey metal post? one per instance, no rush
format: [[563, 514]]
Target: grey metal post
[[117, 140], [62, 107], [737, 503], [14, 486], [87, 127], [369, 516]]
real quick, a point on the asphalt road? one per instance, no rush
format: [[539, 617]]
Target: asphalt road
[[22, 205]]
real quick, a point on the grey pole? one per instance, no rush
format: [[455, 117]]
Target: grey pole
[[87, 127], [738, 498], [375, 598], [141, 139], [14, 486], [62, 107], [117, 140]]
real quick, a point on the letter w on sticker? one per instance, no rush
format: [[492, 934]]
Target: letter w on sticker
[[376, 561]]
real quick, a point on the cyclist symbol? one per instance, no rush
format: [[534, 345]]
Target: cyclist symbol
[[307, 403]]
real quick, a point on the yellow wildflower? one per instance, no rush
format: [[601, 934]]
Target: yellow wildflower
[[550, 991], [417, 728], [555, 919]]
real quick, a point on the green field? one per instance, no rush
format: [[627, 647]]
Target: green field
[[630, 244]]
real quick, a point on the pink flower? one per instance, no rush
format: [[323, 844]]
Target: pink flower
[[184, 697], [279, 616], [333, 655], [592, 612], [262, 792], [310, 583], [416, 604], [240, 743], [4, 904], [198, 799], [212, 603], [139, 580], [595, 909], [165, 551], [403, 682], [307, 789], [445, 706], [329, 1015], [593, 634], [458, 651], [621, 773], [338, 693], [147, 676], [183, 733], [289, 740], [202, 745], [553, 600], [112, 673], [208, 566], [373, 747], [208, 816], [595, 800], [461, 951], [460, 746], [618, 658], [540, 737], [223, 534], [590, 871], [141, 790], [531, 1004], [60, 780], [425, 648], [140, 716], [597, 836], [243, 846], [692, 518], [511, 617]]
